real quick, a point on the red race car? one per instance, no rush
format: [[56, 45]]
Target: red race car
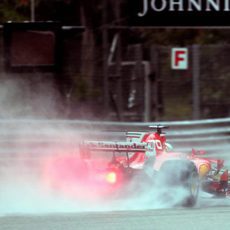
[[145, 160], [146, 157]]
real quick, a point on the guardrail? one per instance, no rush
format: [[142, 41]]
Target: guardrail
[[48, 136]]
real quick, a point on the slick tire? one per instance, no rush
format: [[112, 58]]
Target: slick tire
[[182, 174], [192, 185]]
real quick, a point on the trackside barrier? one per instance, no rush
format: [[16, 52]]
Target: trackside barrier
[[45, 136]]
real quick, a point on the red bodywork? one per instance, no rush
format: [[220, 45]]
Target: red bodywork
[[105, 176], [213, 175]]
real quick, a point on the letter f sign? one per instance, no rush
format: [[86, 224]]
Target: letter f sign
[[179, 58]]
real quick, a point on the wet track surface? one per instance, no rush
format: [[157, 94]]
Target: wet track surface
[[25, 205], [189, 219]]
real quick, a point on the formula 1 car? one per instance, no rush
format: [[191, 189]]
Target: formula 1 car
[[146, 157]]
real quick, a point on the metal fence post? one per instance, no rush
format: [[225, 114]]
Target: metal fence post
[[196, 81], [32, 10], [147, 87], [118, 63], [120, 80], [138, 70], [105, 59], [154, 59]]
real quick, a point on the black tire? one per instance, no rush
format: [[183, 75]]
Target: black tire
[[192, 185], [181, 173]]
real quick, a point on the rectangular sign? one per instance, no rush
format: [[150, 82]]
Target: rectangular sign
[[189, 13], [179, 58], [32, 45]]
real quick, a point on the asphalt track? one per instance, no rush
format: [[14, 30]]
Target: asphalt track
[[162, 219], [23, 206]]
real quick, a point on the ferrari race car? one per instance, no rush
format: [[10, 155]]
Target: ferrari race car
[[147, 158]]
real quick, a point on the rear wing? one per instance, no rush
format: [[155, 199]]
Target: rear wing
[[134, 136], [114, 146]]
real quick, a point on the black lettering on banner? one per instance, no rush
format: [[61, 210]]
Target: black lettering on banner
[[115, 146]]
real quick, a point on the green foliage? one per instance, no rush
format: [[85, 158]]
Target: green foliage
[[66, 11], [80, 91], [13, 10], [183, 36]]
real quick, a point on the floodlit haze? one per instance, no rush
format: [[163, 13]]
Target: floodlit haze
[[29, 98]]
